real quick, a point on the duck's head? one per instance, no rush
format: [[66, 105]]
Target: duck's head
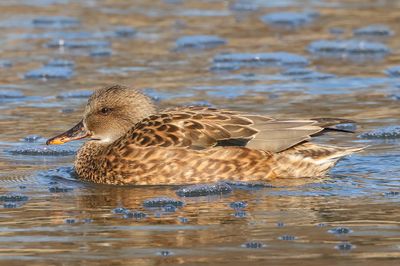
[[109, 114]]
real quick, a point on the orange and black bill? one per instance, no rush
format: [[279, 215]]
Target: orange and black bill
[[75, 133]]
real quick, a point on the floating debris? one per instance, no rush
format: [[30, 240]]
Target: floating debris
[[280, 224], [50, 72], [199, 190], [199, 42], [162, 202], [389, 132]]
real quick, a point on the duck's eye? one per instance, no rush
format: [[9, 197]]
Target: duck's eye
[[105, 110]]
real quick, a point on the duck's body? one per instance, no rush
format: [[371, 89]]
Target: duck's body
[[136, 145]]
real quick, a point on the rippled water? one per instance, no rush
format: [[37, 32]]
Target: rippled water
[[297, 59]]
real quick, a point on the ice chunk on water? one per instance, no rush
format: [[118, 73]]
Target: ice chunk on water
[[162, 202], [199, 190], [199, 42], [276, 59], [250, 185], [289, 19], [42, 150], [134, 215], [13, 197], [374, 31], [393, 71], [340, 230], [75, 44], [60, 63], [55, 22], [50, 72], [5, 63], [75, 94], [253, 244], [10, 94], [389, 132], [238, 205], [348, 48]]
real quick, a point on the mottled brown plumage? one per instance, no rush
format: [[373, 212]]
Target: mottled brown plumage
[[134, 144]]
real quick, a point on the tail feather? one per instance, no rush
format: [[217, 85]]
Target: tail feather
[[327, 123], [310, 160]]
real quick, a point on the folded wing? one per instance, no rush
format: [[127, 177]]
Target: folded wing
[[202, 127]]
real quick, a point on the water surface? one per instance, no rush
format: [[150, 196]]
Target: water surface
[[287, 59]]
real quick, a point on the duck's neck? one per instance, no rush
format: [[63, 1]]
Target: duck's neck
[[88, 161]]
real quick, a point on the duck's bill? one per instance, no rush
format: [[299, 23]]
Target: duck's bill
[[75, 133]]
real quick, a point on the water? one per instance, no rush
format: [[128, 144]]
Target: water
[[53, 53]]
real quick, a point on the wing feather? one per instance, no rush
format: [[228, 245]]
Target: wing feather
[[204, 127]]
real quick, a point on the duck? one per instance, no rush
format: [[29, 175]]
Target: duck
[[131, 142]]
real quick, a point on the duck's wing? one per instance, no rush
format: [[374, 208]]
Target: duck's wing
[[203, 127]]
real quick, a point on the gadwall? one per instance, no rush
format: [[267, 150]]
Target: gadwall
[[132, 143]]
